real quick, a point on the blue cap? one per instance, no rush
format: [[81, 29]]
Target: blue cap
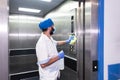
[[46, 24]]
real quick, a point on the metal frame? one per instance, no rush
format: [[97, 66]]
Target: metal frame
[[91, 40], [87, 30], [4, 40], [79, 34]]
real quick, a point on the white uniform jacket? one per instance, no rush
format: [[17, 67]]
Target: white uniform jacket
[[45, 49]]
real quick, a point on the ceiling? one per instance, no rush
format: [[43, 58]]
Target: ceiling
[[45, 7]]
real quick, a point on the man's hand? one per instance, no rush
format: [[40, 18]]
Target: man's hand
[[71, 37], [73, 41], [61, 54]]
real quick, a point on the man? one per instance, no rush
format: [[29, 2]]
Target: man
[[46, 51]]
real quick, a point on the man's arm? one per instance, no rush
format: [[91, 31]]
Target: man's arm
[[65, 41], [61, 42], [54, 59]]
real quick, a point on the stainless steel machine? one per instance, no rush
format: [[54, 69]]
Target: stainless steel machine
[[80, 59]]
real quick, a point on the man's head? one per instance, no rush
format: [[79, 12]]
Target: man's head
[[47, 24]]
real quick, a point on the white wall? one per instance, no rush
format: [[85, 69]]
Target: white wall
[[111, 34]]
